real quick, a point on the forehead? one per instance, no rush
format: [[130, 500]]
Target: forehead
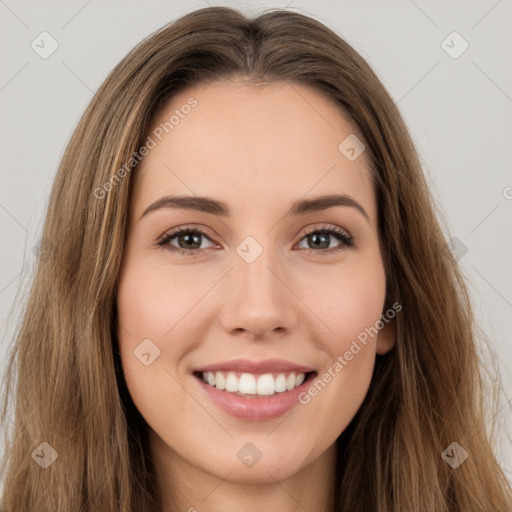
[[251, 145]]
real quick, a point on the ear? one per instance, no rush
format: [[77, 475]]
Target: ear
[[386, 337]]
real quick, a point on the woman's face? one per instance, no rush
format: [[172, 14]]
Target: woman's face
[[262, 294]]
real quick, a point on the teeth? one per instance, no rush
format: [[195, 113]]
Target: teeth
[[280, 383], [249, 384], [220, 381], [231, 383], [266, 384]]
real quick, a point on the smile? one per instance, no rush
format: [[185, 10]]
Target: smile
[[254, 385], [252, 396]]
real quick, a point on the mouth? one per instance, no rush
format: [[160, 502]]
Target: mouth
[[254, 390], [255, 385]]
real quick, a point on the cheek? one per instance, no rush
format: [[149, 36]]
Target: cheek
[[151, 303], [351, 305], [152, 300], [358, 308]]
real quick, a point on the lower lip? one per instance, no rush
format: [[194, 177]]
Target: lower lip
[[255, 409]]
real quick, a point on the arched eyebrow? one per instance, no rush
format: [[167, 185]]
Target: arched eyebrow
[[216, 207]]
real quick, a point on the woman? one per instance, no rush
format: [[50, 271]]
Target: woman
[[248, 302]]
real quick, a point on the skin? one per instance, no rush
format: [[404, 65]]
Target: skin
[[257, 149]]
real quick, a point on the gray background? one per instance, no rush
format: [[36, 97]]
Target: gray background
[[457, 109]]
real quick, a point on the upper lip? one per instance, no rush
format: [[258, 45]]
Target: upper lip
[[248, 366]]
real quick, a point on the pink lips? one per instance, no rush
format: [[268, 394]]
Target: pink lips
[[256, 367], [255, 408]]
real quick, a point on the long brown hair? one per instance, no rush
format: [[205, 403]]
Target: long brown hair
[[64, 380]]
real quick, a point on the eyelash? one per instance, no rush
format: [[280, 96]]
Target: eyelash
[[340, 234]]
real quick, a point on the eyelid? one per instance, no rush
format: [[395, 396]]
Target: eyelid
[[325, 227]]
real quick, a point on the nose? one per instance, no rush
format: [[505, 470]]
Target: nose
[[259, 301]]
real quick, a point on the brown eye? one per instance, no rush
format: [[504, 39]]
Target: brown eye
[[188, 240]]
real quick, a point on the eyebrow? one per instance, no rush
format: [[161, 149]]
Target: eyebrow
[[215, 207]]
